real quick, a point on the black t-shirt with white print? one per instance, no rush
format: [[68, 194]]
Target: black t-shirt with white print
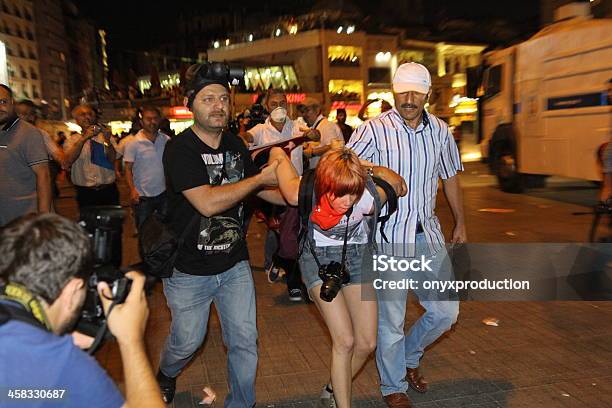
[[212, 244]]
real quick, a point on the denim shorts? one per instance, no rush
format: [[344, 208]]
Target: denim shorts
[[325, 255]]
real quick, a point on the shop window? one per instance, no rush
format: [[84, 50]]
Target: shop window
[[262, 78], [346, 91], [493, 78], [344, 56]]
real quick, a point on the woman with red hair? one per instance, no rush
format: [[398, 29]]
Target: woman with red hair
[[337, 224]]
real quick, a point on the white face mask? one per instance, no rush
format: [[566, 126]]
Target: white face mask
[[279, 114]]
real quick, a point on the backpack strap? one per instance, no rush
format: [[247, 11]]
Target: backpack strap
[[306, 199], [391, 204], [9, 312]]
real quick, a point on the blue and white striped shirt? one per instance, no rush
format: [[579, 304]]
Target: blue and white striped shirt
[[420, 156]]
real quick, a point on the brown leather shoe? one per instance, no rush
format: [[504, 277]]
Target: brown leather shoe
[[397, 400], [415, 380]]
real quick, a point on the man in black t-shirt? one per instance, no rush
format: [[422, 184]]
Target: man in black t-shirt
[[209, 173]]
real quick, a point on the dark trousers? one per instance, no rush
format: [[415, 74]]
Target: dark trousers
[[149, 205], [292, 268], [107, 194]]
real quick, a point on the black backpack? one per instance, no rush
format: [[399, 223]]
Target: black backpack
[[306, 202]]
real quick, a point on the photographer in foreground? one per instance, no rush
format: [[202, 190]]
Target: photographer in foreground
[[341, 222], [43, 280]]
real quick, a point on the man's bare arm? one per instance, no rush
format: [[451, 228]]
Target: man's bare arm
[[129, 178], [213, 200], [454, 196], [272, 196], [127, 322], [73, 152], [43, 187]]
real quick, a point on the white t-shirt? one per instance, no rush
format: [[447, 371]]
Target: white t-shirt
[[266, 133], [147, 169], [357, 230], [120, 148], [329, 131]]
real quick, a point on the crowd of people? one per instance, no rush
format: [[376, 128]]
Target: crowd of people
[[202, 183]]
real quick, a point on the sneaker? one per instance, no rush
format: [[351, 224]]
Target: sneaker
[[326, 400], [167, 386], [273, 273], [295, 295]]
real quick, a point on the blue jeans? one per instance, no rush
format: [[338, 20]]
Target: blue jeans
[[327, 254], [147, 206], [189, 298], [395, 351]]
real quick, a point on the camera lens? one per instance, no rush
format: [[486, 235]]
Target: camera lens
[[329, 290]]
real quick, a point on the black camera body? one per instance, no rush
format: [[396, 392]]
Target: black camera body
[[333, 275], [218, 71], [103, 225]]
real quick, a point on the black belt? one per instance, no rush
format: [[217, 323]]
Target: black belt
[[98, 187], [419, 228]]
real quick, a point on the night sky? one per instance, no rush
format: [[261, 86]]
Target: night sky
[[141, 25]]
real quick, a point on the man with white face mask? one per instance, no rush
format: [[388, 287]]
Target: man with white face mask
[[277, 127]]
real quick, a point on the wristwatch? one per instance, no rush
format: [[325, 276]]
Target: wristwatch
[[370, 171]]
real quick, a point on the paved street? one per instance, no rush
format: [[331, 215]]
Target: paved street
[[549, 354]]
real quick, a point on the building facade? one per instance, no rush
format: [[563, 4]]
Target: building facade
[[346, 67], [17, 32], [52, 51]]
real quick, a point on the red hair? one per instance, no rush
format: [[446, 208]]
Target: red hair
[[339, 172]]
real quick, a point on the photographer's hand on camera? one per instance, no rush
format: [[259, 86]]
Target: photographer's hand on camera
[[126, 321], [90, 132]]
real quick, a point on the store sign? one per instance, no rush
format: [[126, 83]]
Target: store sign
[[180, 112], [291, 98], [344, 105]]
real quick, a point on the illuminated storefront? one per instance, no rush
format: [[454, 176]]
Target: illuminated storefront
[[348, 67], [278, 77], [180, 118]]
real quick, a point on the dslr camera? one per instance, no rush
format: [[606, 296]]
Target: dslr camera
[[333, 275], [103, 226]]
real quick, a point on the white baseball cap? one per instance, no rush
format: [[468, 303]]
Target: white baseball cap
[[411, 77]]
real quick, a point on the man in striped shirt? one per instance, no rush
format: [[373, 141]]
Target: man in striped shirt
[[420, 147]]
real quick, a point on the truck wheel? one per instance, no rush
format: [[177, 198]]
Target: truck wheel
[[502, 160], [509, 180], [534, 180]]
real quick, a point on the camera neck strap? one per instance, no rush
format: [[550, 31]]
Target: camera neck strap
[[312, 250], [20, 294]]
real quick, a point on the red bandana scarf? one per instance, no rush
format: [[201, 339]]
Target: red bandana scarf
[[324, 215]]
